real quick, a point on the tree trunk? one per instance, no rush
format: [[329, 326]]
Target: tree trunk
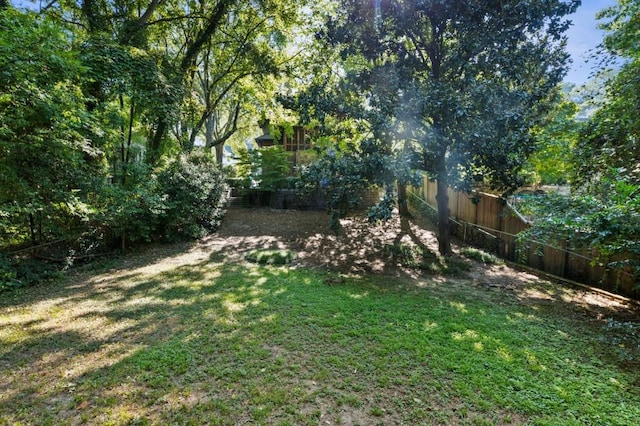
[[186, 64], [135, 27], [210, 140], [153, 153], [219, 153], [442, 197], [403, 206]]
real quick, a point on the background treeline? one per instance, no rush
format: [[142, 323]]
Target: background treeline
[[114, 114], [113, 117]]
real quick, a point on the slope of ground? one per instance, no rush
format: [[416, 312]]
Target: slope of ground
[[193, 334], [362, 247]]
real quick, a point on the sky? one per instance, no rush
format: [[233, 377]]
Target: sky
[[582, 37]]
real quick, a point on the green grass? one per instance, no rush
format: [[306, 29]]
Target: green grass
[[270, 257], [209, 343], [481, 256], [416, 257]]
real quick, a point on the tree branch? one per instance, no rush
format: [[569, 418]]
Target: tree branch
[[234, 128], [140, 22], [196, 46]]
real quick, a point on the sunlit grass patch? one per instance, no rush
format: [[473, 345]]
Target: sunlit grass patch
[[215, 343]]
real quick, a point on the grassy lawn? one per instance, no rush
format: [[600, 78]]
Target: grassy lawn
[[209, 342]]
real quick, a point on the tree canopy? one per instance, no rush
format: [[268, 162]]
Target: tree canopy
[[105, 106], [611, 140], [99, 101], [462, 82], [603, 212]]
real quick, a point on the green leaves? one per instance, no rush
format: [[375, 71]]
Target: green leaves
[[621, 23], [44, 175], [608, 152], [460, 84], [606, 218], [194, 192], [265, 168], [553, 160], [612, 136], [341, 177]]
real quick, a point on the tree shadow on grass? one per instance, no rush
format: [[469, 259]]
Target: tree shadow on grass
[[195, 333], [83, 361], [230, 343]]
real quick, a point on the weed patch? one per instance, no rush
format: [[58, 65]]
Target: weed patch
[[270, 257], [481, 256]]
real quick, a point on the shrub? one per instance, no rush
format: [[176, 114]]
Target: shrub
[[340, 178], [195, 192], [21, 271], [131, 215]]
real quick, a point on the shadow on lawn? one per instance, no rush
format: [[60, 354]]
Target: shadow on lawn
[[184, 332], [119, 342]]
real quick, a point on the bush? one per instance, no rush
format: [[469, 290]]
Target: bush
[[195, 192], [270, 257], [130, 214], [8, 275], [23, 271]]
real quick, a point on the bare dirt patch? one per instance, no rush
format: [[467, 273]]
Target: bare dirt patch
[[361, 248]]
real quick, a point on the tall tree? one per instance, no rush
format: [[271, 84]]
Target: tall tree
[[220, 44], [192, 46], [552, 161], [46, 164], [246, 52], [611, 140], [475, 79]]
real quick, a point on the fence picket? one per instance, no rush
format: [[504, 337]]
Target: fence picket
[[488, 221]]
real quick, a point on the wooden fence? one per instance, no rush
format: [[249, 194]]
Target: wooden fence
[[490, 222]]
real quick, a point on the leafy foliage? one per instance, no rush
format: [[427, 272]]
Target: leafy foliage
[[47, 167], [341, 177], [132, 214], [194, 190], [89, 92], [275, 167], [612, 137], [604, 211], [606, 218], [265, 168], [610, 140], [553, 160], [463, 83], [270, 257]]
